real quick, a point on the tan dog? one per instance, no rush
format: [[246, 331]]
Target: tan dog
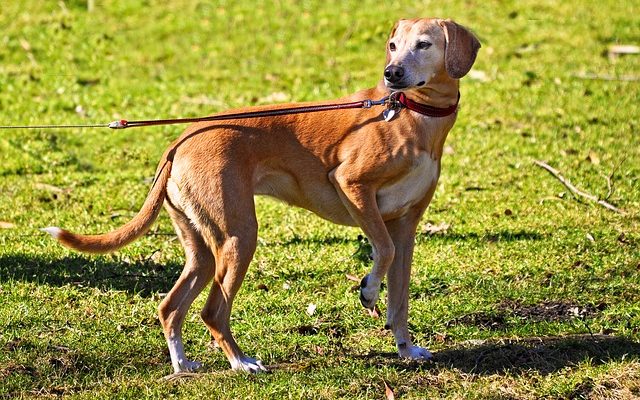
[[350, 167]]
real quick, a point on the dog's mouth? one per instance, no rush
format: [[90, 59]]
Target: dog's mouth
[[402, 86]]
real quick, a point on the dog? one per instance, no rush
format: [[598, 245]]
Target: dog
[[351, 167]]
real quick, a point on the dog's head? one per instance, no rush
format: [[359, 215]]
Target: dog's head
[[420, 49]]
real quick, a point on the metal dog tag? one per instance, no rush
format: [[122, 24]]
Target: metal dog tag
[[388, 114]]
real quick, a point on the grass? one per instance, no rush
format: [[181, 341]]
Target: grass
[[529, 293]]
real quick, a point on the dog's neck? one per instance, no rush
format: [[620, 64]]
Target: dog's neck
[[439, 93], [436, 95]]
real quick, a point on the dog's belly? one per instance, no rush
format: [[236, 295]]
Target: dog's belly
[[397, 197], [312, 192]]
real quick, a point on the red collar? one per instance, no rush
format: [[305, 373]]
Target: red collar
[[425, 109]]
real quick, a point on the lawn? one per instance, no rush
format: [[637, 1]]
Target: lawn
[[520, 289]]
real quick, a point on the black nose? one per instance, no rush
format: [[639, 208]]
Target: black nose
[[394, 73]]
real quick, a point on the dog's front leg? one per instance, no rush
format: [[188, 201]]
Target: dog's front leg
[[402, 231], [360, 201]]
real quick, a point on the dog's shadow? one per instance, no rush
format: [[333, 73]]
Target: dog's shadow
[[143, 277], [544, 355]]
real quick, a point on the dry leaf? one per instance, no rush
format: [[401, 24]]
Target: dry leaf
[[6, 225], [375, 313], [593, 158], [478, 75], [590, 237], [622, 49], [81, 111], [441, 337], [388, 392], [25, 45], [276, 97], [49, 188], [353, 278], [311, 309], [432, 229]]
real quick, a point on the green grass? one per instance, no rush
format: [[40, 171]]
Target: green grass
[[530, 293]]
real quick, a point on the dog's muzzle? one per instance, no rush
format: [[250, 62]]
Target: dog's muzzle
[[393, 76]]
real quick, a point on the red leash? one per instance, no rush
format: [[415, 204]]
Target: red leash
[[122, 124], [394, 102]]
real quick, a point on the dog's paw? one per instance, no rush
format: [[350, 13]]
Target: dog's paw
[[248, 364], [187, 366], [369, 292], [414, 353]]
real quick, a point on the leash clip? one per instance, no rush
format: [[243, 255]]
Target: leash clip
[[394, 106], [370, 103]]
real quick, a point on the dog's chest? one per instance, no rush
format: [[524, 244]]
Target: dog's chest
[[398, 196]]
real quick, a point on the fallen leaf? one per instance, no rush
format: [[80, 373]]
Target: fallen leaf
[[80, 111], [50, 188], [25, 45], [352, 278], [590, 237], [276, 97], [388, 392], [441, 337], [478, 75], [6, 225], [375, 313], [622, 50], [156, 257], [311, 309], [593, 158], [432, 229]]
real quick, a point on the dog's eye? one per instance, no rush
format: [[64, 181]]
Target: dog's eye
[[392, 47], [423, 45]]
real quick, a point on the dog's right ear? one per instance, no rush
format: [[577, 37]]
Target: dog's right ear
[[461, 49]]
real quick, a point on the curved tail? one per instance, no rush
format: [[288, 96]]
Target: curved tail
[[128, 232]]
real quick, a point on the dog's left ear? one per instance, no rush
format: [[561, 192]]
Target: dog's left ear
[[461, 48]]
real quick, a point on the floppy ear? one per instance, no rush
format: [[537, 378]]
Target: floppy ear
[[461, 48]]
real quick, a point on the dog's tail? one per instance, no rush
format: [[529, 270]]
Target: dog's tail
[[128, 232]]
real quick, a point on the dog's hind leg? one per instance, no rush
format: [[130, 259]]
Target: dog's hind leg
[[234, 249], [197, 273]]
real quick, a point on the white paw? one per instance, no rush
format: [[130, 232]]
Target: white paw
[[414, 353], [248, 364], [187, 366]]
